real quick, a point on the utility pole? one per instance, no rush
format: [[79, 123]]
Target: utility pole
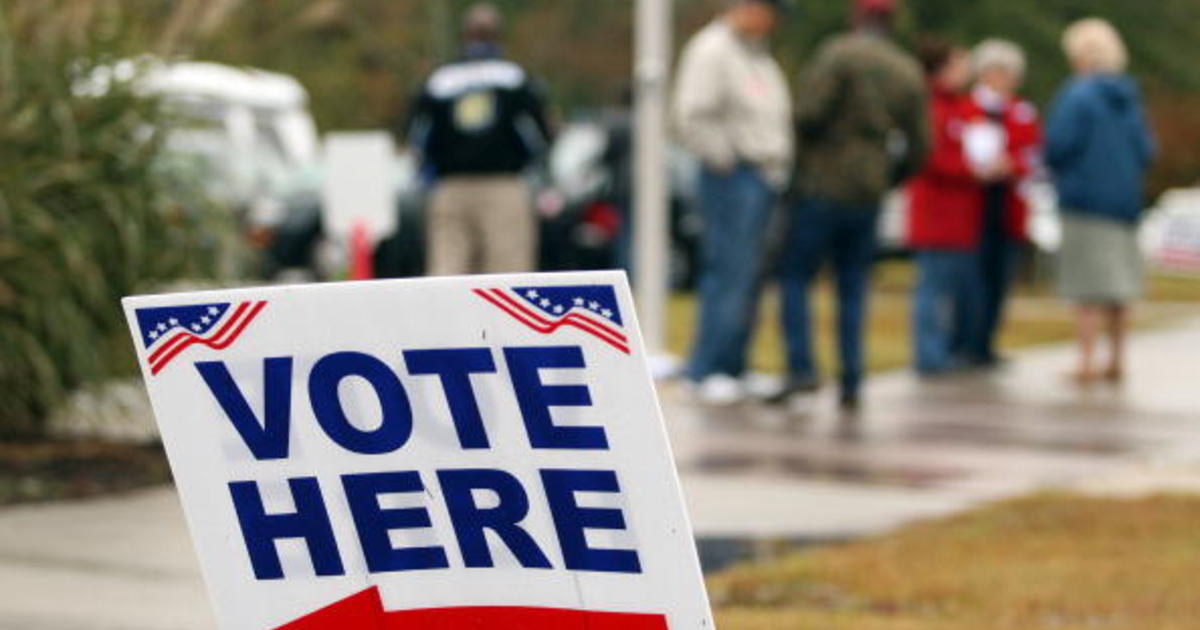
[[652, 64]]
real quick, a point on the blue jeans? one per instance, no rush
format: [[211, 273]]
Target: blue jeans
[[736, 208], [946, 308], [845, 235]]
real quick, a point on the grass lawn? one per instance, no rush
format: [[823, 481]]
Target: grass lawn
[[1050, 562], [1035, 317]]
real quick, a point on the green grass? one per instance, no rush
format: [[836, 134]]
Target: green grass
[[1034, 317], [1173, 288], [1050, 562]]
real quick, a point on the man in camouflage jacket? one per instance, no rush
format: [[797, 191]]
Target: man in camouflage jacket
[[862, 126]]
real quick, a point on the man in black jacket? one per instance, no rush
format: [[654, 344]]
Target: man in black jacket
[[479, 122]]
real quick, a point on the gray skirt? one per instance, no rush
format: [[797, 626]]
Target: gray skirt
[[1100, 261]]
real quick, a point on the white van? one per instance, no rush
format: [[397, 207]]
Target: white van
[[249, 131]]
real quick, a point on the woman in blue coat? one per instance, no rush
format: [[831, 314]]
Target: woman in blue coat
[[1098, 147]]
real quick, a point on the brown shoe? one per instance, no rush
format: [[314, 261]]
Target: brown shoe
[[1114, 375], [1084, 378]]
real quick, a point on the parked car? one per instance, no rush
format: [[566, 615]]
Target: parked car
[[235, 136], [581, 218], [1170, 234], [578, 221], [248, 130]]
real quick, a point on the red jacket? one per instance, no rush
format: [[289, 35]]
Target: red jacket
[[945, 199]]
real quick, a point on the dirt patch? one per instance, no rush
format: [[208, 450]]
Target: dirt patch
[[49, 471]]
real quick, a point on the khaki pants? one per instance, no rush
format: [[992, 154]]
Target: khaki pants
[[481, 224]]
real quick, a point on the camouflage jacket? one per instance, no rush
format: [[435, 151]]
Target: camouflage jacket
[[862, 118]]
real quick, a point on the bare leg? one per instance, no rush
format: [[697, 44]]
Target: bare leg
[[1088, 328], [1118, 324]]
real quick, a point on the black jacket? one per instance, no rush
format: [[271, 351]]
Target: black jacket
[[479, 115]]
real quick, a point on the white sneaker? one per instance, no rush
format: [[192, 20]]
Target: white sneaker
[[761, 386], [719, 390]]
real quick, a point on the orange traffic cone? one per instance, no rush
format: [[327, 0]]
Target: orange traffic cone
[[362, 260]]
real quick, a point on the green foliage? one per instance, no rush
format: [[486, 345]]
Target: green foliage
[[1160, 36], [86, 214], [361, 59]]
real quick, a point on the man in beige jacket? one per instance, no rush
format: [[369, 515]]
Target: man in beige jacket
[[732, 109]]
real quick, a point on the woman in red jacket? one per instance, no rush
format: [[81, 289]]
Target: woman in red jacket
[[945, 206], [1000, 67]]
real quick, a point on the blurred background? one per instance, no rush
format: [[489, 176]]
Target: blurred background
[[151, 145]]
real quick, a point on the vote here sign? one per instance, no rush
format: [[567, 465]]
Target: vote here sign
[[481, 452]]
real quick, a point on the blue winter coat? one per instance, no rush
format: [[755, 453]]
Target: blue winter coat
[[1098, 146]]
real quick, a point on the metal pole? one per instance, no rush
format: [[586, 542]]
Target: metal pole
[[651, 195]]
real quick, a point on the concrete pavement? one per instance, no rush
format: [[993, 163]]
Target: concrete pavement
[[123, 563], [917, 450], [922, 449]]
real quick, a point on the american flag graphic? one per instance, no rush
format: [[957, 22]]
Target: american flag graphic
[[168, 331], [592, 309]]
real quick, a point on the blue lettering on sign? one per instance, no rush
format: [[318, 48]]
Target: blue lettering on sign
[[267, 439], [455, 368], [536, 398], [571, 521], [477, 525], [309, 522], [323, 383], [374, 522], [504, 519]]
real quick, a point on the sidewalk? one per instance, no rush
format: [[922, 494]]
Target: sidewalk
[[922, 449], [124, 563], [917, 450]]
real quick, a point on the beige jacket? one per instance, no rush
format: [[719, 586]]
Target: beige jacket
[[732, 104]]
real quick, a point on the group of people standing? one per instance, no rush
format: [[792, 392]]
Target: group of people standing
[[949, 128], [967, 212]]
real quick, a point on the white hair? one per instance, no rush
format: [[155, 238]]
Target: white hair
[[998, 53], [1094, 45]]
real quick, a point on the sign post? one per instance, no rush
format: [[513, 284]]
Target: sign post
[[481, 452]]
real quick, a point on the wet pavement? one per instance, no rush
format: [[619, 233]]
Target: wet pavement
[[756, 478], [925, 448]]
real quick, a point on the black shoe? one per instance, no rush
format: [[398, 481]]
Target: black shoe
[[795, 385], [850, 401], [989, 361]]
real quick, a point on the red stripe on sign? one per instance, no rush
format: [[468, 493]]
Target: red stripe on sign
[[573, 316], [184, 335], [364, 611], [541, 325], [223, 339], [512, 618], [361, 611]]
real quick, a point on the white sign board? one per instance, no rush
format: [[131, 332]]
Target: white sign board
[[481, 452], [360, 183]]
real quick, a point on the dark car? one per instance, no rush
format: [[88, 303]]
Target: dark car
[[581, 221]]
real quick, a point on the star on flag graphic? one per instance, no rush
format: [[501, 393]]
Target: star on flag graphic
[[167, 332], [592, 309]]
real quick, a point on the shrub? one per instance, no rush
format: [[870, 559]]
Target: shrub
[[87, 213]]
